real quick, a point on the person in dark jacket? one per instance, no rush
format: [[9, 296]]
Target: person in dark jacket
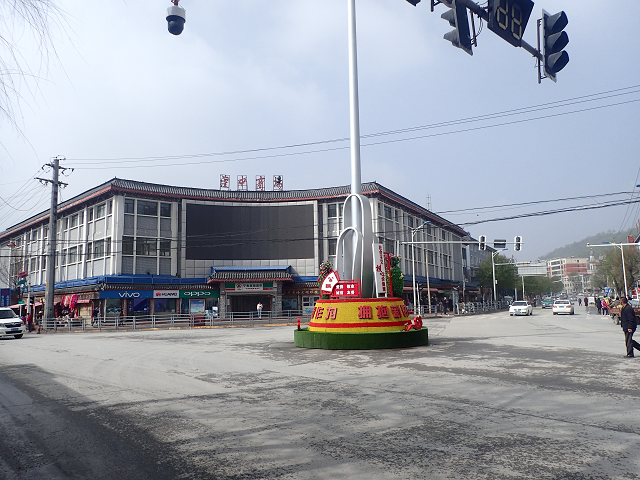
[[628, 324]]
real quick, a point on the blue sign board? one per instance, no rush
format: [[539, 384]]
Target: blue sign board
[[126, 294], [5, 297]]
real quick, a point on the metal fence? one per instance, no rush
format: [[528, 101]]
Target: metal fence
[[466, 308], [174, 320]]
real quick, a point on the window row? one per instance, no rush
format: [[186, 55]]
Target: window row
[[146, 207], [146, 246]]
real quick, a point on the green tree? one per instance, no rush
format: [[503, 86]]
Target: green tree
[[542, 285], [506, 273], [610, 270]]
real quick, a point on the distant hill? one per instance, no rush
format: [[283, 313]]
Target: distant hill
[[579, 249]]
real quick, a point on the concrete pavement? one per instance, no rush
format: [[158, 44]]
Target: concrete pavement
[[492, 397]]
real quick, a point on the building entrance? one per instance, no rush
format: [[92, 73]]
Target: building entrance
[[248, 303]]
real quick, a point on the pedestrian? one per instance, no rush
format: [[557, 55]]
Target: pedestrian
[[579, 302], [598, 305], [604, 306], [586, 303], [444, 306], [628, 324], [259, 308]]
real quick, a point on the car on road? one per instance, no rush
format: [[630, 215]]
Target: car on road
[[562, 306], [547, 302], [520, 308], [10, 324]]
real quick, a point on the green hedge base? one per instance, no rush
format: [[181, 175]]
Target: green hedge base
[[359, 340]]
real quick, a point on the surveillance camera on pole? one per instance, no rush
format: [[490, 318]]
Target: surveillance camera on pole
[[176, 16]]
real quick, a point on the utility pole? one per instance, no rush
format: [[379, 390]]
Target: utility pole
[[49, 312]]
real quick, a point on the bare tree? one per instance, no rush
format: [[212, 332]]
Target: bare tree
[[20, 19]]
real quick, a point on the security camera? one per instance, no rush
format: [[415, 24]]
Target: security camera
[[176, 16]]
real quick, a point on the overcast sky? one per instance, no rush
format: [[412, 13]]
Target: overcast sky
[[254, 74]]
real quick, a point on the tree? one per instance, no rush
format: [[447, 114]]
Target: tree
[[542, 285], [610, 271], [16, 18], [506, 273]]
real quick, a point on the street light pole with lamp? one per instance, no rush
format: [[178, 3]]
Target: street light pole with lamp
[[619, 245], [413, 269]]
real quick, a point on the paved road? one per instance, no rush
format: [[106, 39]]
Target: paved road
[[492, 397]]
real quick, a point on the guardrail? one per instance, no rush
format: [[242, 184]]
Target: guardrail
[[174, 320]]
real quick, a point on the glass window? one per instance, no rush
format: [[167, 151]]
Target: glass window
[[100, 210], [72, 255], [387, 212], [34, 265], [165, 248], [74, 221], [332, 210], [127, 245], [98, 249], [65, 223], [81, 218], [63, 257], [107, 246], [333, 246], [147, 208], [165, 209], [146, 246], [129, 205], [90, 214], [89, 250], [109, 207], [411, 222]]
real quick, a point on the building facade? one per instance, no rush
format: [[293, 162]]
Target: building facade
[[574, 273], [135, 248]]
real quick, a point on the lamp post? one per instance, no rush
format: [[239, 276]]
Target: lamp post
[[620, 246], [413, 269]]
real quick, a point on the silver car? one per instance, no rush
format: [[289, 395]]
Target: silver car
[[10, 324]]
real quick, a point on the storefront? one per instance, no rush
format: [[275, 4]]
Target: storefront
[[198, 302]]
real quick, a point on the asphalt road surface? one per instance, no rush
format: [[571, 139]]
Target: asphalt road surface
[[492, 397]]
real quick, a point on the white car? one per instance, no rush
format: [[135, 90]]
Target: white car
[[562, 306], [10, 324], [520, 308]]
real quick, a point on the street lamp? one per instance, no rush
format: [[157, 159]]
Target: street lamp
[[620, 246], [413, 269]]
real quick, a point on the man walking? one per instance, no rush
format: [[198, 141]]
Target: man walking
[[259, 308], [628, 323]]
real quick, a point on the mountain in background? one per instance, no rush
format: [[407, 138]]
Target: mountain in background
[[579, 249]]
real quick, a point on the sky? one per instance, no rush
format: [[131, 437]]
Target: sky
[[119, 96]]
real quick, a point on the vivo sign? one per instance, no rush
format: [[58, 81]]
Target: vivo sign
[[126, 294]]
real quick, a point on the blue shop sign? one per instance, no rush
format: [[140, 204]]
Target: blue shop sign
[[126, 294], [5, 297]]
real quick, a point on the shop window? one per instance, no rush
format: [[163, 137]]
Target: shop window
[[127, 245], [165, 248], [147, 208], [146, 246], [165, 210], [114, 306], [129, 204], [100, 210]]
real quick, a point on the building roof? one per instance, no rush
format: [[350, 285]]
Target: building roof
[[133, 188]]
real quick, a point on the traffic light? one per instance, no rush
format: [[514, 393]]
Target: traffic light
[[482, 242], [457, 18], [499, 244], [517, 243], [509, 18], [554, 41]]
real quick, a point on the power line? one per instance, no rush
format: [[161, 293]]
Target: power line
[[559, 104]]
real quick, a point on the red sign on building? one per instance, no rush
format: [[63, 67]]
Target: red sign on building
[[260, 183], [224, 182]]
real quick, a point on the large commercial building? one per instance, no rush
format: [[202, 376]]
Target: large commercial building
[[574, 273], [134, 248]]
